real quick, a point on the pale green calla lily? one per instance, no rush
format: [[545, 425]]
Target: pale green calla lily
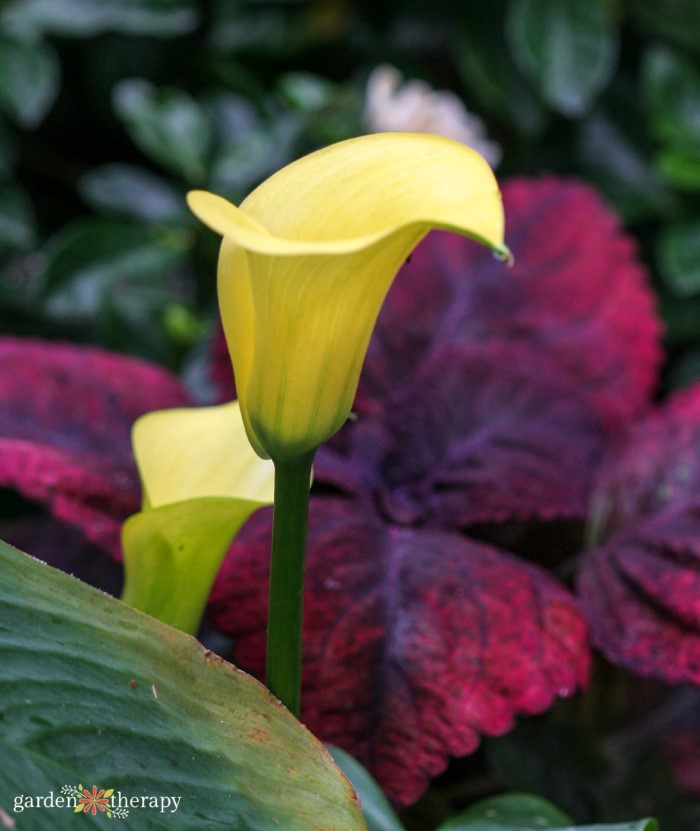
[[307, 260], [201, 481]]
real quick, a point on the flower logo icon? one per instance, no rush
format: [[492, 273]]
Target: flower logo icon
[[93, 801]]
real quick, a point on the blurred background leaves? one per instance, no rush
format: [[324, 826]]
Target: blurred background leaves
[[110, 111]]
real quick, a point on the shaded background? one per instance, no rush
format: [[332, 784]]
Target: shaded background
[[112, 109]]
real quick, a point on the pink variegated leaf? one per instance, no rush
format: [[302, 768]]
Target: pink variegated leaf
[[65, 421]]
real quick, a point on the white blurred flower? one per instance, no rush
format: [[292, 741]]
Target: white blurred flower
[[392, 105]]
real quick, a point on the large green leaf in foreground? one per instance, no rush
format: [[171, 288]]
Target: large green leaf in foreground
[[95, 693]]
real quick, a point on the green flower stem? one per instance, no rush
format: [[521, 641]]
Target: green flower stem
[[285, 614]]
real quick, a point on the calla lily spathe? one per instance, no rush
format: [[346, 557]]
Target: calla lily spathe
[[200, 481], [307, 260]]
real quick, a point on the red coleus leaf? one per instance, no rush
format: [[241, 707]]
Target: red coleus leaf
[[656, 468], [65, 422], [487, 433], [416, 642], [641, 587], [576, 293], [641, 594]]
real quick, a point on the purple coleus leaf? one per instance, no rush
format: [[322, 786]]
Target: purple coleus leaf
[[487, 433], [640, 588], [416, 641], [65, 423]]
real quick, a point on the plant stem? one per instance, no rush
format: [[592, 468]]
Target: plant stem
[[285, 614]]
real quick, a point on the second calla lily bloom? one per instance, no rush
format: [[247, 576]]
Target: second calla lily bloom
[[201, 481], [308, 258]]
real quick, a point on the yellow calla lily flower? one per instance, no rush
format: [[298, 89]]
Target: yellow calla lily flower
[[201, 481], [187, 453], [308, 258]]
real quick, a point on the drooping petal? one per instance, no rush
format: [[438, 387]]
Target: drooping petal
[[307, 261], [347, 196], [194, 452]]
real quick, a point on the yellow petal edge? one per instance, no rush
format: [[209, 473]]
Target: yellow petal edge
[[186, 453]]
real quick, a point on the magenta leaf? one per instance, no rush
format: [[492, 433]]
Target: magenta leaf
[[640, 587], [576, 292], [65, 422], [416, 642]]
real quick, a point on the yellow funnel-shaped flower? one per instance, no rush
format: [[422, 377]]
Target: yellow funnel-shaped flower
[[188, 453], [200, 481], [308, 258]]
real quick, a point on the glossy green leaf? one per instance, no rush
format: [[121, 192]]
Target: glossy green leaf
[[680, 168], [127, 190], [523, 812], [612, 144], [379, 814], [136, 320], [29, 80], [671, 86], [567, 48], [167, 124], [487, 69], [675, 20], [681, 318], [249, 147], [560, 759], [267, 30], [679, 258], [17, 222], [510, 811], [95, 693], [8, 148], [88, 261], [307, 92], [82, 18]]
